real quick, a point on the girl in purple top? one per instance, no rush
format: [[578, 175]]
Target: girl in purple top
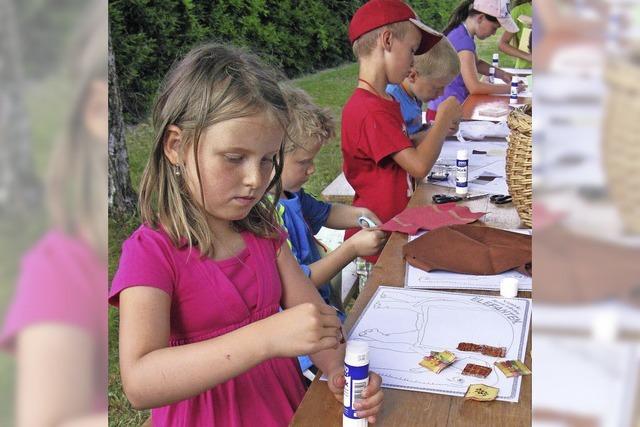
[[471, 19], [200, 283]]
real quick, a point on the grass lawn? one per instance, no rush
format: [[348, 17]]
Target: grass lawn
[[46, 104], [329, 88]]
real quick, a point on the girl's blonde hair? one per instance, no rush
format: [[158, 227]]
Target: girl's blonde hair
[[211, 84], [309, 124]]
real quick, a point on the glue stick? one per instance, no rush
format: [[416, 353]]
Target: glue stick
[[513, 99], [462, 172], [495, 60], [356, 373], [492, 74]]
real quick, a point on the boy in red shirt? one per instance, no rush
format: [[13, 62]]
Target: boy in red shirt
[[379, 158]]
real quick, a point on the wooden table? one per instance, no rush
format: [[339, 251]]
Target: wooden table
[[409, 408], [472, 106]]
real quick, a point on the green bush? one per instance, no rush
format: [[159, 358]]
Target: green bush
[[296, 36]]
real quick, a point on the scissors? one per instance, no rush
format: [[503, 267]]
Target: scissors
[[500, 199], [439, 199], [366, 222]]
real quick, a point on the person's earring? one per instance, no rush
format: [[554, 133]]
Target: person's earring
[[176, 170]]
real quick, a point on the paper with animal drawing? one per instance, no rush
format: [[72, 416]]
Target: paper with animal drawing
[[416, 278], [402, 326]]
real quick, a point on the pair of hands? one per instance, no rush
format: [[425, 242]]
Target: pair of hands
[[309, 328], [368, 241], [506, 77], [450, 113]]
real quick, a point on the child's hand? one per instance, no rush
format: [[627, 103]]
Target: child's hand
[[449, 112], [522, 86], [368, 241], [304, 329], [368, 407], [506, 77]]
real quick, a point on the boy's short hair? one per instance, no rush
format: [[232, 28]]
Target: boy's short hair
[[440, 62], [309, 124], [364, 45]]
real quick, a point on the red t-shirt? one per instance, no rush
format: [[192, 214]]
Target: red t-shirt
[[372, 131]]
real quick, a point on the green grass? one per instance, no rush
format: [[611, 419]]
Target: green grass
[[329, 88], [486, 48], [46, 115]]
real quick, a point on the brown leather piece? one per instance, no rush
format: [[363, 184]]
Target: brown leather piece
[[470, 249]]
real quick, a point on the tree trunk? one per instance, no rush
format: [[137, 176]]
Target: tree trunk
[[20, 188], [122, 198]]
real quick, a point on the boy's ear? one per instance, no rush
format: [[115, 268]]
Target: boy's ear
[[413, 75], [387, 38], [172, 144]]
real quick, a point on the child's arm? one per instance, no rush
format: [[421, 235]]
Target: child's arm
[[483, 68], [363, 243], [342, 217], [418, 161], [296, 290], [506, 47], [331, 360], [154, 374], [470, 66]]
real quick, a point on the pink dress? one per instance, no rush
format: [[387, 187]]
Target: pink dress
[[62, 281], [208, 299]]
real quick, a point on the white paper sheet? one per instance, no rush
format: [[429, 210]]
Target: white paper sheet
[[416, 278], [591, 380], [402, 326], [491, 163]]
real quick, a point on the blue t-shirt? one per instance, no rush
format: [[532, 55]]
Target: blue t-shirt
[[410, 107], [460, 40], [303, 215]]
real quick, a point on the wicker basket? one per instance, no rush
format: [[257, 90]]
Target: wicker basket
[[621, 145], [519, 162]]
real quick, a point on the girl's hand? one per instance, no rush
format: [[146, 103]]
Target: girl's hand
[[368, 241], [506, 77], [372, 395], [522, 86], [304, 329]]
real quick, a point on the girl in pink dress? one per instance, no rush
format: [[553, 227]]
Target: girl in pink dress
[[200, 282]]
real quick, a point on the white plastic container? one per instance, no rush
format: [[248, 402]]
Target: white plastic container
[[356, 373], [509, 287], [462, 172], [513, 99]]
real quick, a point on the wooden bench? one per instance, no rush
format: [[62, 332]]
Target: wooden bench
[[339, 191]]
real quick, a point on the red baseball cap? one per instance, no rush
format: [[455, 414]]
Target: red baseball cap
[[377, 13]]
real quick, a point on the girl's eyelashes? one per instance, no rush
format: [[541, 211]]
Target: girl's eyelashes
[[238, 158], [234, 158]]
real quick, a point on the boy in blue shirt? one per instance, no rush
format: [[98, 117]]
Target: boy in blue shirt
[[430, 74], [301, 213]]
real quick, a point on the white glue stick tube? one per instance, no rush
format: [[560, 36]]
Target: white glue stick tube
[[356, 374]]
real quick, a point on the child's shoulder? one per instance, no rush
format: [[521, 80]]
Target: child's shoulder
[[364, 103], [147, 236], [150, 232]]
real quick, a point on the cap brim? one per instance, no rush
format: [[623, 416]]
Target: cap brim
[[429, 36], [509, 24]]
